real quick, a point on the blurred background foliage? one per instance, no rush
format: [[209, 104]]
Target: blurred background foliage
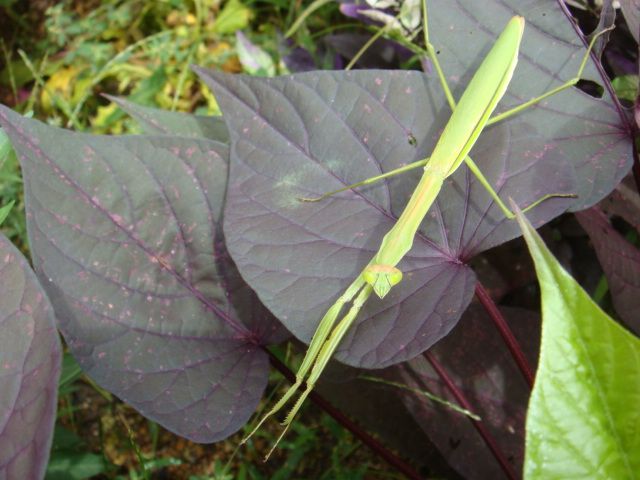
[[58, 57], [140, 49]]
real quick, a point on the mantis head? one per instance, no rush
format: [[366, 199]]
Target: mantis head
[[382, 278]]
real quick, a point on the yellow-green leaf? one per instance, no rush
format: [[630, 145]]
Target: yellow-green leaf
[[583, 419], [233, 17]]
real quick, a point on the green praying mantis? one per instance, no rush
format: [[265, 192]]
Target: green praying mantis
[[470, 116]]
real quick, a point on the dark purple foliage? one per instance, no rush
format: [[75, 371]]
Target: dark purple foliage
[[343, 47], [125, 234], [305, 134], [484, 371], [30, 358], [383, 53], [620, 261], [381, 408], [297, 59]]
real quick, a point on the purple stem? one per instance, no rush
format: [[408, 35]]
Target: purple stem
[[636, 153], [479, 426], [507, 335], [347, 423]]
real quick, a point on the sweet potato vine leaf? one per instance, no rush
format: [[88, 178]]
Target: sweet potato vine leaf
[[30, 358], [620, 261], [582, 420], [125, 235], [310, 133]]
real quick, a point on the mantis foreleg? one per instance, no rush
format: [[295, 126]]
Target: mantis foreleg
[[317, 341], [326, 352]]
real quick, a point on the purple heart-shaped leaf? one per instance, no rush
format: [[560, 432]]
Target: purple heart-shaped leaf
[[125, 235], [30, 358], [306, 134]]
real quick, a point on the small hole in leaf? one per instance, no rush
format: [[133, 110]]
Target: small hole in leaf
[[454, 442], [591, 88]]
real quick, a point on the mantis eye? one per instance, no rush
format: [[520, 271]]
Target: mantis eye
[[382, 278]]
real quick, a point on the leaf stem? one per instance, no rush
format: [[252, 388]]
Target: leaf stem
[[366, 46], [480, 427], [507, 334], [433, 56], [315, 5]]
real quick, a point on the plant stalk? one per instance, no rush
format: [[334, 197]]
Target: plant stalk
[[507, 334], [479, 426]]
